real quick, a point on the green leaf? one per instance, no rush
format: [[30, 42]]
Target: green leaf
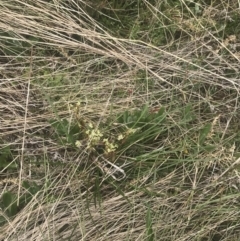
[[10, 203], [5, 152], [161, 111], [7, 199], [150, 233], [188, 114], [66, 133], [59, 126], [204, 132], [6, 160], [32, 188], [144, 113], [208, 148], [3, 220], [26, 184]]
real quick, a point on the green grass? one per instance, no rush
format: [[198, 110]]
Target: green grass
[[119, 120]]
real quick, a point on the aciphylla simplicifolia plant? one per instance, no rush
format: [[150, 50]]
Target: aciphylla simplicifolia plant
[[106, 141], [100, 143]]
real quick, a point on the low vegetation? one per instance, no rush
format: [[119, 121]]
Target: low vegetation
[[119, 120]]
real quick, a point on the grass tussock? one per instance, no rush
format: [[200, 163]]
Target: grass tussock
[[119, 120]]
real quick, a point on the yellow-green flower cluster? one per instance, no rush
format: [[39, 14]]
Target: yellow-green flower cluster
[[127, 133], [131, 131], [94, 135], [109, 147], [120, 137], [78, 144]]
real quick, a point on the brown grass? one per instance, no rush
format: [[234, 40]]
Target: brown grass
[[71, 59]]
